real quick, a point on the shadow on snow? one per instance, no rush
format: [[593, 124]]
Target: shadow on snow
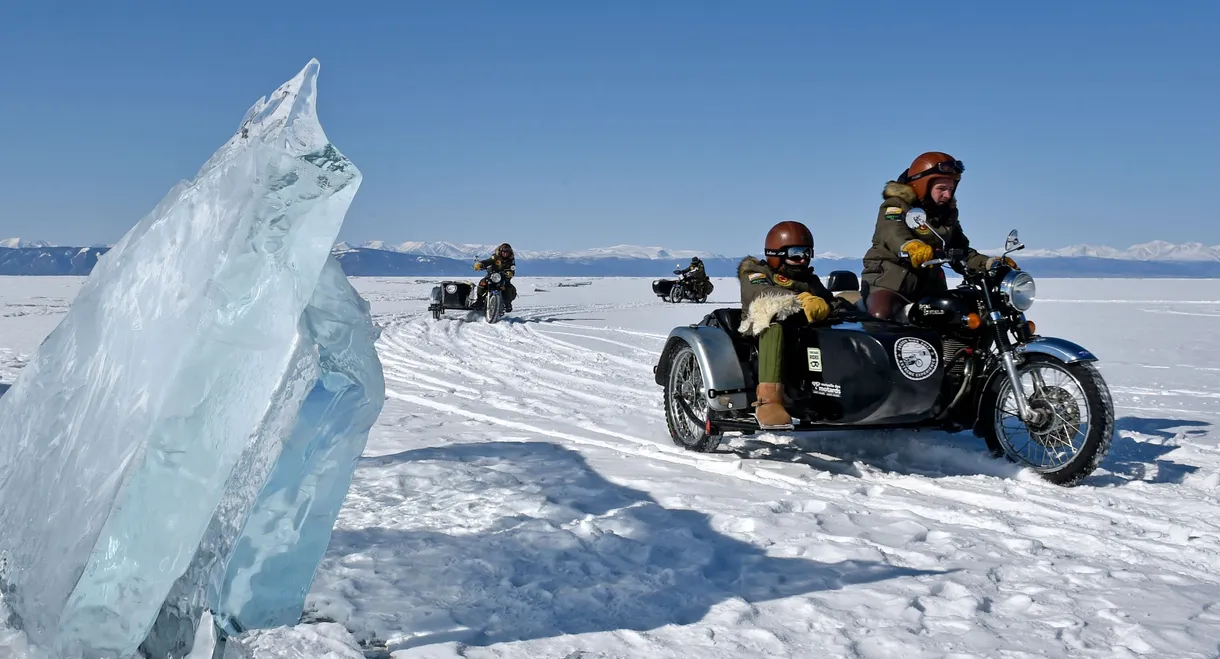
[[935, 454], [568, 552]]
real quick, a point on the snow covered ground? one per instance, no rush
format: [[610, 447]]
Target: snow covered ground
[[520, 497]]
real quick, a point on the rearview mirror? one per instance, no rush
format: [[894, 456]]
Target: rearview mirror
[[1013, 243], [916, 218]]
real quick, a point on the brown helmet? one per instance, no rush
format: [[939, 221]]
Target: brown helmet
[[927, 168], [785, 235]]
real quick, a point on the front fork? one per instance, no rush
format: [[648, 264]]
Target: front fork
[[1008, 356]]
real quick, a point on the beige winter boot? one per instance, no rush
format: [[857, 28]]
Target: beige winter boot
[[770, 404]]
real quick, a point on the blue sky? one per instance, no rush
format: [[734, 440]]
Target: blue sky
[[688, 124]]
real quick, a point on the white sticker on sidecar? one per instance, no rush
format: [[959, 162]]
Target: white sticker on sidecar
[[815, 359], [916, 358]]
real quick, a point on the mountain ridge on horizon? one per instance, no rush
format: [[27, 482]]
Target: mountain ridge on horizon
[[1155, 250]]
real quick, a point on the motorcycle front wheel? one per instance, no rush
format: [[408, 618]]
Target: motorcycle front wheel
[[494, 309], [1075, 424]]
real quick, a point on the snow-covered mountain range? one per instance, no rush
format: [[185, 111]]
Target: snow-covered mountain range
[[473, 251], [1157, 250], [415, 258]]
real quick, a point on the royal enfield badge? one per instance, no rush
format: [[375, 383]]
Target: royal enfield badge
[[916, 358]]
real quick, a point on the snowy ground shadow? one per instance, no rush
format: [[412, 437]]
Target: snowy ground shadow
[[513, 320], [935, 454], [558, 550], [1133, 459], [4, 387], [931, 454]]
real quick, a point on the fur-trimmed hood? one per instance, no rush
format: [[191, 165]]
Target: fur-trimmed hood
[[902, 191], [750, 262]]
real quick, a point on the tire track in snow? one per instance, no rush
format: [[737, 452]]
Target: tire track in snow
[[465, 348]]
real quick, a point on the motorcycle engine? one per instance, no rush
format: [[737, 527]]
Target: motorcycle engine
[[949, 349]]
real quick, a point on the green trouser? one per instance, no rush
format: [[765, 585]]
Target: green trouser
[[771, 353]]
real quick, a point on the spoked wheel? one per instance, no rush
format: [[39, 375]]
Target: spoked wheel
[[494, 309], [1074, 419], [675, 294], [686, 409]]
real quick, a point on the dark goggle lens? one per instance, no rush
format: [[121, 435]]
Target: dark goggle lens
[[950, 167], [799, 253]]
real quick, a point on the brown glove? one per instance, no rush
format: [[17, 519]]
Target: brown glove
[[918, 252], [815, 307]]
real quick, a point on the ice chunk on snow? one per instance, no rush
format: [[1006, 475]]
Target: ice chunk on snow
[[319, 641], [290, 525], [120, 435], [258, 576]]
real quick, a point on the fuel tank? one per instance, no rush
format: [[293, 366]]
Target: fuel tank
[[869, 372], [944, 311]]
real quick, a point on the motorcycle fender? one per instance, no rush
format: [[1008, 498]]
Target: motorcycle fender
[[1061, 349], [717, 361]]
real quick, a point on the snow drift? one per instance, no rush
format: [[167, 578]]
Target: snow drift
[[152, 416]]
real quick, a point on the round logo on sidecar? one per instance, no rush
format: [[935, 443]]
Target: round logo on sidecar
[[916, 358]]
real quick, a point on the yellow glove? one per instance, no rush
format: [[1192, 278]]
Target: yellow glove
[[816, 308], [918, 252], [992, 260], [478, 265]]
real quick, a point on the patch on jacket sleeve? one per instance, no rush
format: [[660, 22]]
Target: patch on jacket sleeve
[[893, 212], [758, 278], [783, 281]]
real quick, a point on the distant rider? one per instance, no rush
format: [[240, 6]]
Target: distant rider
[[895, 280], [504, 262], [772, 290], [696, 275]]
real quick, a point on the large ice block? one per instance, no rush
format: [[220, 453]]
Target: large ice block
[[254, 571], [120, 435], [289, 528]]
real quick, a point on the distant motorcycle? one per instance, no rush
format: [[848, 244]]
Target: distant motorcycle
[[463, 296], [683, 288], [964, 359]]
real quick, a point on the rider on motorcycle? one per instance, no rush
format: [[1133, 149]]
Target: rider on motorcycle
[[696, 275], [772, 290], [502, 261], [896, 280]]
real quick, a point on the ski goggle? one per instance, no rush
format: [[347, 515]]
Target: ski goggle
[[795, 253], [943, 167]]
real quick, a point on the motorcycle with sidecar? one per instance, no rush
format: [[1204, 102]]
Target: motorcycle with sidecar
[[963, 359]]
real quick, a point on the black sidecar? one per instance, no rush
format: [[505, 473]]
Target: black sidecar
[[457, 295]]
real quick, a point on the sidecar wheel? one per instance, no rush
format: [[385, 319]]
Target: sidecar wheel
[[686, 409], [1070, 444]]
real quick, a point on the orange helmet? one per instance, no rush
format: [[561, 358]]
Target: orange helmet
[[929, 166], [789, 240]]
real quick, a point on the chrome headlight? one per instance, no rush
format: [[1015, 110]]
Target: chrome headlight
[[451, 288], [1019, 289], [495, 276]]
